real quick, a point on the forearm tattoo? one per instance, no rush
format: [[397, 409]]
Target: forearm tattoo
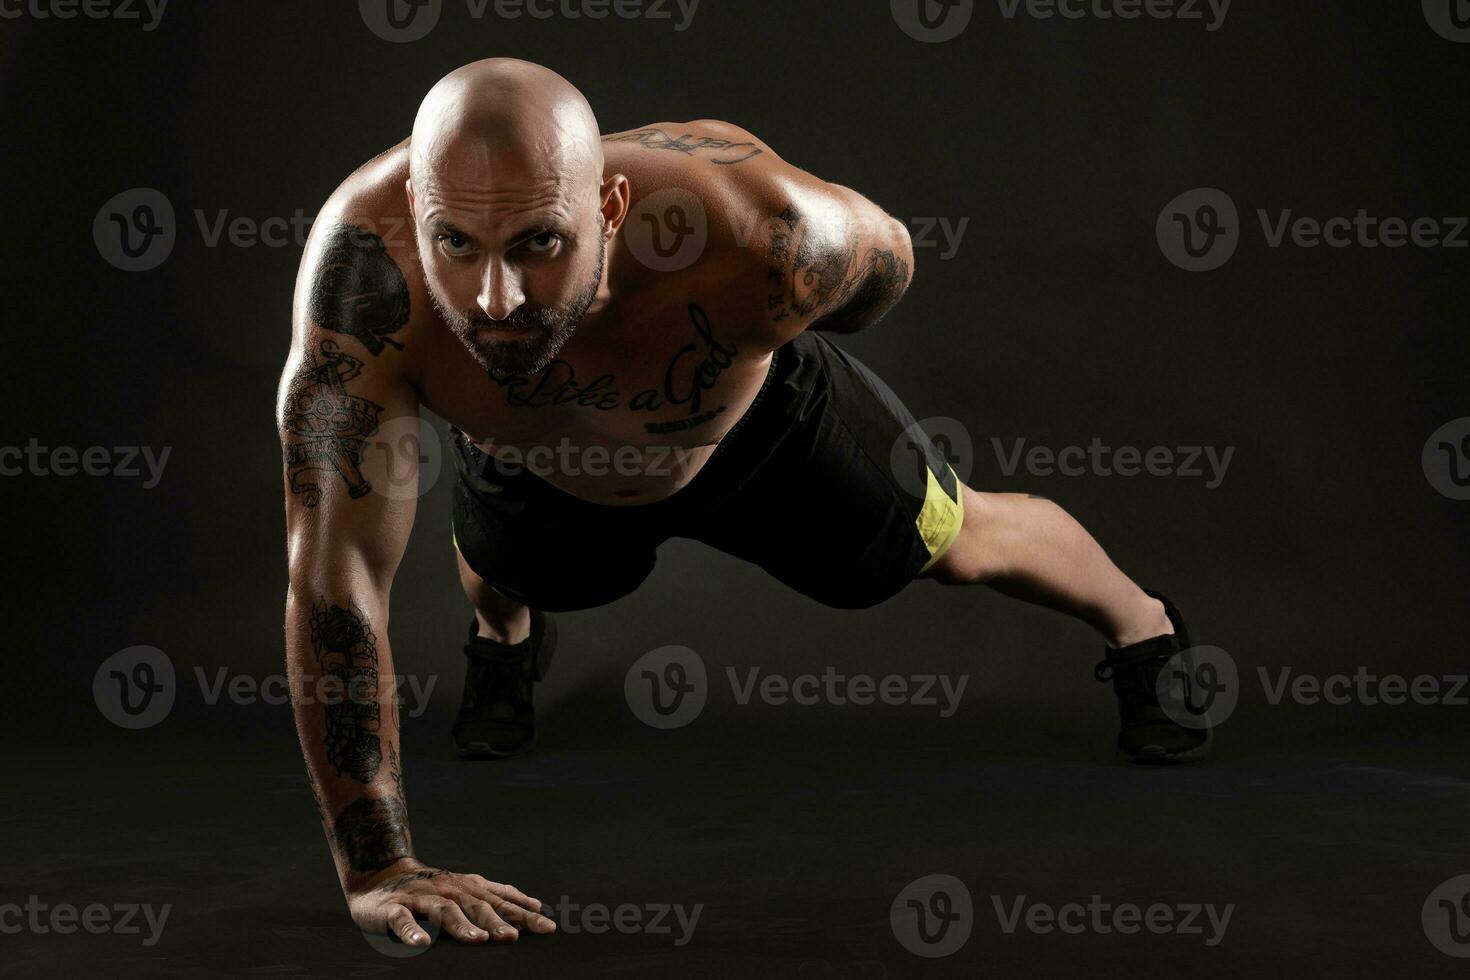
[[329, 426], [726, 153], [346, 653], [359, 290], [372, 833], [815, 277]]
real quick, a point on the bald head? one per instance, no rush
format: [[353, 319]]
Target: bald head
[[508, 112], [512, 213]]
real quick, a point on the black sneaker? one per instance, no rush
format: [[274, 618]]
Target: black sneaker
[[496, 716], [1148, 735]]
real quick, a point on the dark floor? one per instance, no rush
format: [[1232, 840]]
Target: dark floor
[[794, 835]]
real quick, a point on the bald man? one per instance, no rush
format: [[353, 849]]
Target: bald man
[[605, 393]]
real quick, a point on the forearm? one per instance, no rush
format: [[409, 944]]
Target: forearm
[[343, 696]]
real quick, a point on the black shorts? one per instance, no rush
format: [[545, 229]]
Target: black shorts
[[826, 482]]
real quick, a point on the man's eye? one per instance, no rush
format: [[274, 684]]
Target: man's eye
[[453, 244], [542, 243]]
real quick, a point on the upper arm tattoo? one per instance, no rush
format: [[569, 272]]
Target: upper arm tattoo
[[359, 290], [812, 276], [330, 426], [723, 152]]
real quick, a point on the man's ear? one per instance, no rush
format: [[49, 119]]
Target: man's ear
[[412, 213], [616, 195]]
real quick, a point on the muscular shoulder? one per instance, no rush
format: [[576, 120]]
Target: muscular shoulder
[[360, 284]]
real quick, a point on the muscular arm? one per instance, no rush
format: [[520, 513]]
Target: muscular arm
[[345, 537], [345, 384], [836, 262]]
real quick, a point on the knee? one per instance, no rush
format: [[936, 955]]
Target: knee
[[978, 553]]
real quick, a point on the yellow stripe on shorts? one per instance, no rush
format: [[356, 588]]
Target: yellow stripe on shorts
[[942, 516]]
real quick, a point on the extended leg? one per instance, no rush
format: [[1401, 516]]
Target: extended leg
[[1029, 548]]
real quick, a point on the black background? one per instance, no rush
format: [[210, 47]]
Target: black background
[[1324, 549]]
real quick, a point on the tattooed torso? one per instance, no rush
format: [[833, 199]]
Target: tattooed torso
[[633, 405]]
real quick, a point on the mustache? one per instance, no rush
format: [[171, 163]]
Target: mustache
[[520, 319]]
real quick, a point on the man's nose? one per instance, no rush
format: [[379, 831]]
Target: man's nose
[[500, 291]]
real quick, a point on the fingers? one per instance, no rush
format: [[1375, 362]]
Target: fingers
[[484, 914], [523, 918], [451, 919], [400, 922], [513, 905]]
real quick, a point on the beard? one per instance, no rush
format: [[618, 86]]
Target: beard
[[550, 328]]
